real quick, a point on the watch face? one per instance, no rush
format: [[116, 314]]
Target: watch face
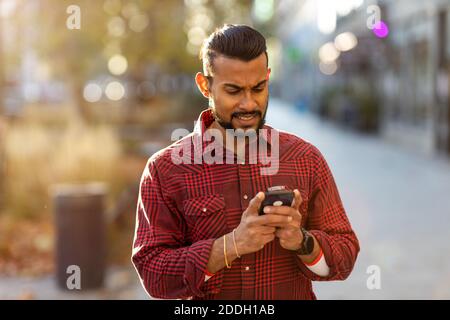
[[309, 244]]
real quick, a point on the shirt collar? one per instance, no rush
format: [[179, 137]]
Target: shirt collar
[[206, 118]]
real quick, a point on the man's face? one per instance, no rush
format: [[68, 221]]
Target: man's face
[[239, 92]]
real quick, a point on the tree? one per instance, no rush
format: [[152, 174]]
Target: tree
[[74, 55], [159, 38]]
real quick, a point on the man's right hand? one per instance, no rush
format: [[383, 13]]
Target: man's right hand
[[255, 231]]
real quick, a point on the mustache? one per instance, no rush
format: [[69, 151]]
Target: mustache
[[252, 113]]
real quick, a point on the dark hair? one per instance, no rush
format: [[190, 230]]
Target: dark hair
[[233, 41]]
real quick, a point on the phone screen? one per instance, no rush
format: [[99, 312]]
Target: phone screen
[[277, 198]]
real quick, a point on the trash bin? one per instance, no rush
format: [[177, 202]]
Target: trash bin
[[80, 234]]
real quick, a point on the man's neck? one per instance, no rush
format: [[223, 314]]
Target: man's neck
[[237, 145]]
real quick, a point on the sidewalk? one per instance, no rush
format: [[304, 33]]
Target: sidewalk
[[120, 284], [398, 203]]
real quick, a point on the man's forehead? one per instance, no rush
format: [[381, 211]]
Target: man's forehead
[[231, 70]]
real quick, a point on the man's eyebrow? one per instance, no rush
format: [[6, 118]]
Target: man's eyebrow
[[235, 86], [260, 83], [232, 86]]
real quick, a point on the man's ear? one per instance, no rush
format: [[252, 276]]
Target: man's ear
[[268, 73], [202, 84]]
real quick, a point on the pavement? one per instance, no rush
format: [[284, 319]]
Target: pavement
[[120, 283], [397, 201]]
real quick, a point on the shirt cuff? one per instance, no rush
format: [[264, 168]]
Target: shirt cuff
[[319, 265], [208, 275]]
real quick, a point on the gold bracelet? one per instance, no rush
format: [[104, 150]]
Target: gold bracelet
[[225, 251], [235, 246]]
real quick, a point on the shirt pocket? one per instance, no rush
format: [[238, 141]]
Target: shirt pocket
[[205, 216]]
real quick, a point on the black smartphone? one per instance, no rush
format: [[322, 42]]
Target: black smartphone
[[277, 197]]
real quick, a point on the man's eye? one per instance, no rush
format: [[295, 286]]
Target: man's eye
[[258, 89], [233, 92]]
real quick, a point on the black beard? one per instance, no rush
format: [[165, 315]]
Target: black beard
[[227, 125]]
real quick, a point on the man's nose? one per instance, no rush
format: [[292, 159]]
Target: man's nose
[[248, 103]]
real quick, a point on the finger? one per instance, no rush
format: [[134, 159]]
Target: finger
[[274, 220], [255, 203], [292, 224], [283, 210], [286, 233], [295, 222], [266, 230], [297, 200], [286, 243]]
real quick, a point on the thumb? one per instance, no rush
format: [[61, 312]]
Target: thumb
[[297, 200], [255, 203]]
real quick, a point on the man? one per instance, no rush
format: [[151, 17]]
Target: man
[[198, 231]]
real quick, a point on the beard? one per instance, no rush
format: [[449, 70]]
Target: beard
[[228, 125]]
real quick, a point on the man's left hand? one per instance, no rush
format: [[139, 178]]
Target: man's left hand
[[290, 235]]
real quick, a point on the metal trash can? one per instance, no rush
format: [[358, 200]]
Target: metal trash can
[[80, 234]]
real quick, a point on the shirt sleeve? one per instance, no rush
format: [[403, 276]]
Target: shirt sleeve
[[329, 224], [168, 268]]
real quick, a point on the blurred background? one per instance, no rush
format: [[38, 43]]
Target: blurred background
[[90, 89]]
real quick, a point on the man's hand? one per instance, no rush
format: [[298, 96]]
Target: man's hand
[[252, 234], [255, 231], [290, 235]]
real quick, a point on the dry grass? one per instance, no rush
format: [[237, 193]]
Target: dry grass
[[42, 149], [37, 157]]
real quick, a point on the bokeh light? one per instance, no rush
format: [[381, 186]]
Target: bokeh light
[[117, 64], [328, 53], [115, 91], [129, 10], [381, 29], [328, 68], [92, 92], [7, 8], [116, 27], [196, 36], [138, 22], [326, 17], [346, 41], [263, 10]]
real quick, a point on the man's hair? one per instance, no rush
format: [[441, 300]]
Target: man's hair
[[232, 41]]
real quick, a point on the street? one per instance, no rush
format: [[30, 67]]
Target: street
[[398, 203]]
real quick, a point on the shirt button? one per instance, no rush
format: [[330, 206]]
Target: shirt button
[[247, 268], [245, 196], [204, 209]]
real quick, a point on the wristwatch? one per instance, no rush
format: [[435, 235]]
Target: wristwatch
[[307, 246]]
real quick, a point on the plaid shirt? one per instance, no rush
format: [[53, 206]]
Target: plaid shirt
[[183, 208]]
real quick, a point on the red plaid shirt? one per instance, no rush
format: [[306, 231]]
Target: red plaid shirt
[[183, 208]]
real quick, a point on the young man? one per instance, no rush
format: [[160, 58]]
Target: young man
[[198, 231]]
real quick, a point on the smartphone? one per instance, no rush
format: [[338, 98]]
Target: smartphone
[[276, 197]]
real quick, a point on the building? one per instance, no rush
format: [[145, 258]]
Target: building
[[405, 75]]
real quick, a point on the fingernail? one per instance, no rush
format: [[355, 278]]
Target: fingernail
[[266, 210], [289, 219]]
